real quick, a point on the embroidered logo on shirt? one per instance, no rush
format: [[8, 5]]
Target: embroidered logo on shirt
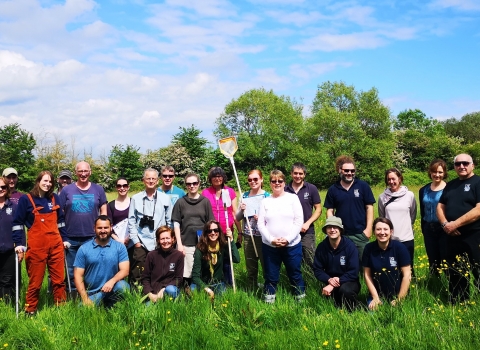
[[9, 211], [306, 195], [467, 187], [172, 266], [342, 260], [50, 206], [393, 263], [356, 193]]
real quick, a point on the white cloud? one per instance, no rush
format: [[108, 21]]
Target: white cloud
[[341, 42], [464, 5], [314, 70]]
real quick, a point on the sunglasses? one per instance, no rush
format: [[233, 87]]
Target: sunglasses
[[168, 176], [255, 179], [3, 188], [211, 230], [349, 171], [276, 181], [457, 164], [122, 186], [188, 184]]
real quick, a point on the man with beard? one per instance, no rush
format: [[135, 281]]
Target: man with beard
[[351, 200], [100, 267], [167, 187], [12, 178], [64, 179]]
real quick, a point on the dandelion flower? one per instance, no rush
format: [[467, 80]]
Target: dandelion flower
[[436, 324], [168, 312], [337, 346], [5, 345], [169, 319], [325, 343]]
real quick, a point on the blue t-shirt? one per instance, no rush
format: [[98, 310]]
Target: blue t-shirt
[[81, 208], [175, 193], [100, 263], [386, 266], [350, 205], [308, 196]]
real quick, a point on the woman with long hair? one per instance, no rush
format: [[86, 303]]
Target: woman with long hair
[[40, 213], [398, 205], [210, 254], [254, 197]]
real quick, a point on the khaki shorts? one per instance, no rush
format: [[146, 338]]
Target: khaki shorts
[[188, 265]]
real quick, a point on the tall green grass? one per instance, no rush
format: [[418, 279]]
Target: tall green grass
[[242, 321]]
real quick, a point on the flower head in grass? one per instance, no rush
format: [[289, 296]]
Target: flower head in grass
[[325, 343]]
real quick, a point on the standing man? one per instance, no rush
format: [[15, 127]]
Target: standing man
[[458, 211], [189, 216], [310, 200], [167, 187], [64, 178], [351, 200], [82, 202], [149, 210], [100, 267], [12, 177]]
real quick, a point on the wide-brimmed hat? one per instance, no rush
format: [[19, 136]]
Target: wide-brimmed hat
[[66, 173], [333, 221]]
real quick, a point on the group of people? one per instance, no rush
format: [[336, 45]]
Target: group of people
[[163, 239]]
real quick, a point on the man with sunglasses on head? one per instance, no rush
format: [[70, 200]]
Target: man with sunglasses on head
[[458, 211], [310, 200], [167, 187], [351, 200], [190, 214]]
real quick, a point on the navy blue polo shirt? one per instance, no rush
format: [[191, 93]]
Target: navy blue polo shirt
[[308, 196], [386, 266], [350, 205], [6, 219]]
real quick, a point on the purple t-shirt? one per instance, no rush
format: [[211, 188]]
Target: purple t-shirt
[[15, 197], [81, 208]]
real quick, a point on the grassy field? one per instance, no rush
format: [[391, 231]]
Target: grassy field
[[242, 321]]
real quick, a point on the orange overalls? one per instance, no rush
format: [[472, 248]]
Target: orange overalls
[[45, 248]]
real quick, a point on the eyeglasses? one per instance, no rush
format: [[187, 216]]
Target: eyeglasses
[[122, 186], [168, 176], [464, 163], [83, 171], [276, 181], [189, 184], [349, 171], [151, 179], [255, 179], [3, 188], [212, 230]]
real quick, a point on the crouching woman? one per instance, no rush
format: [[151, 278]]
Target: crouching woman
[[211, 252], [336, 264], [163, 273], [386, 265]]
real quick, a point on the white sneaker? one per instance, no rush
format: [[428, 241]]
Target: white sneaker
[[269, 299], [299, 298]]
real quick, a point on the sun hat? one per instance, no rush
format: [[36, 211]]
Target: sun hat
[[333, 221]]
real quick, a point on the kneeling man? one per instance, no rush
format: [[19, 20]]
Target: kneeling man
[[336, 264], [100, 267]]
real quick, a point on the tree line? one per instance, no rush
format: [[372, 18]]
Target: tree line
[[273, 131]]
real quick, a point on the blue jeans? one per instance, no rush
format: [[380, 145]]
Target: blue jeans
[[172, 291], [110, 298], [70, 254], [292, 259]]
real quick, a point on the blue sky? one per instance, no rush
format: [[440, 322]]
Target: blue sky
[[100, 73]]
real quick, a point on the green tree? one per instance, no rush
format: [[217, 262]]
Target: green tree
[[174, 155], [123, 161], [16, 150], [417, 120], [196, 146], [267, 126], [467, 128], [350, 122]]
